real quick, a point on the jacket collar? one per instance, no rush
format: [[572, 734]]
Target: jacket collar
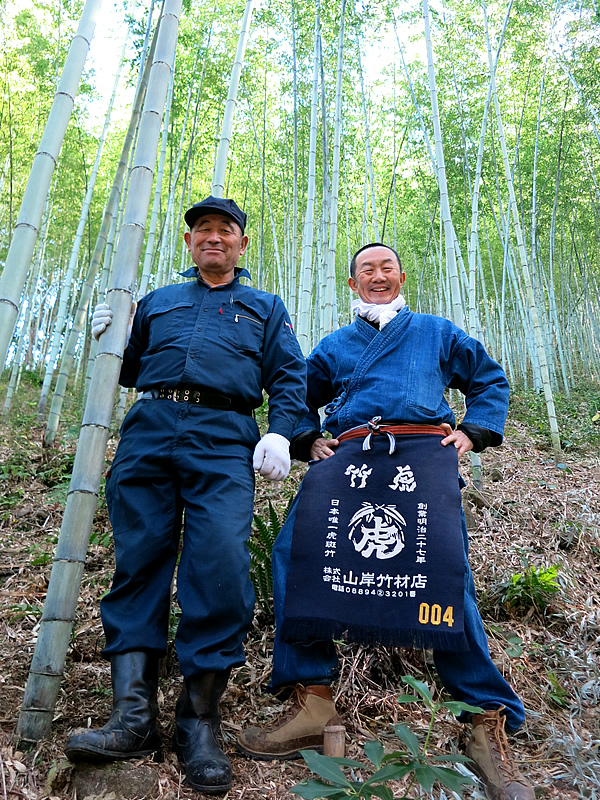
[[192, 272]]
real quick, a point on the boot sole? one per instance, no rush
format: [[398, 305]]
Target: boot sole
[[292, 755], [199, 787]]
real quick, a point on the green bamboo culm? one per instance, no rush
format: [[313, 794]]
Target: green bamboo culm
[[18, 260]]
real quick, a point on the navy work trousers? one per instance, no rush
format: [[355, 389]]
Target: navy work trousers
[[174, 460]]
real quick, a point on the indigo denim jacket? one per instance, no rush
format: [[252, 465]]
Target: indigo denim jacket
[[401, 373]]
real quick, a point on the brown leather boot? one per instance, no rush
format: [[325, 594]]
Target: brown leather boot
[[492, 759], [300, 729]]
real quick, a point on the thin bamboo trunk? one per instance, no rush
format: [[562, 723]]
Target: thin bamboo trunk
[[25, 234], [456, 243], [83, 218], [160, 171], [221, 160], [108, 218], [533, 310], [260, 266], [279, 273], [324, 312], [474, 236], [294, 248], [175, 227], [330, 321], [25, 335], [452, 272], [368, 159], [552, 298], [303, 327]]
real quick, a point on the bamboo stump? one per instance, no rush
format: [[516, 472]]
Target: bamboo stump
[[334, 741]]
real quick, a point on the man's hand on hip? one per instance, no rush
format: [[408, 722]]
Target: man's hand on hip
[[323, 448], [459, 439], [272, 457]]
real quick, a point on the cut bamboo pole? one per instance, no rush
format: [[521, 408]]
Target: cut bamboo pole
[[334, 741]]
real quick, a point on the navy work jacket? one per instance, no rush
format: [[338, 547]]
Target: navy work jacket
[[232, 339]]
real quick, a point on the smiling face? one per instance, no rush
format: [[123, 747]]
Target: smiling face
[[215, 243], [378, 277]]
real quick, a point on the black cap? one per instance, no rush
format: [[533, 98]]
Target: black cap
[[216, 205]]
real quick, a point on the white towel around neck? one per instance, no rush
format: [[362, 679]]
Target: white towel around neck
[[381, 313]]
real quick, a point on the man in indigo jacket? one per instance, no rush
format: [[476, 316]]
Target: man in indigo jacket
[[201, 353], [395, 364]]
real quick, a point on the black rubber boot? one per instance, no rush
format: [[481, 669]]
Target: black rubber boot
[[197, 723], [131, 730]]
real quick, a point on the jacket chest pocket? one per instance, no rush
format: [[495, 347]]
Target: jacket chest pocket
[[169, 323], [425, 386], [243, 327]]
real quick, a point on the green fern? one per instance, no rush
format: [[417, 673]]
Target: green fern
[[260, 545]]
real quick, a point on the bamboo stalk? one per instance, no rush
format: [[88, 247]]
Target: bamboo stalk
[[26, 230], [368, 159], [330, 321], [452, 272], [303, 330], [224, 142], [294, 235], [525, 270], [59, 330]]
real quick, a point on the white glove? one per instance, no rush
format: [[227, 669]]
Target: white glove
[[272, 457], [101, 319]]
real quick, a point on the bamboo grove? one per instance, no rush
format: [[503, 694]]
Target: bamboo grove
[[463, 134]]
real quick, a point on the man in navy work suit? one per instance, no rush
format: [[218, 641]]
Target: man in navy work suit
[[394, 364], [201, 353]]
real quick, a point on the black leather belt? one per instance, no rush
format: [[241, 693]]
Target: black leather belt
[[200, 397]]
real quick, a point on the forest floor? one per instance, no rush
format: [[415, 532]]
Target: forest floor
[[537, 511]]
